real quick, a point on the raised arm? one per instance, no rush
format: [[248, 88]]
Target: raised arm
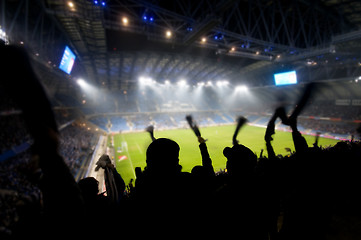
[[268, 135], [150, 129], [240, 122], [206, 159], [298, 140]]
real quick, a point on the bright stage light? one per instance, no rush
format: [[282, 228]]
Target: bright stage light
[[88, 89], [168, 34], [222, 83], [166, 82], [71, 6], [81, 82], [146, 81], [200, 84], [125, 20], [241, 89], [182, 83]]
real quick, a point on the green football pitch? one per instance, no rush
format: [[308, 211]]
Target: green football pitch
[[130, 148]]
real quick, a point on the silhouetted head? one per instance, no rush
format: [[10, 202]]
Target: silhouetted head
[[199, 171], [89, 187], [163, 156], [240, 159]]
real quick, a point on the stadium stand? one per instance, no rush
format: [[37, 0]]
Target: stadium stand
[[48, 142]]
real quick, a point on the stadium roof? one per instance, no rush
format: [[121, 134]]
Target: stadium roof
[[239, 41]]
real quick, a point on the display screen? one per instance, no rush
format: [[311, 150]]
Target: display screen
[[285, 78], [67, 61]]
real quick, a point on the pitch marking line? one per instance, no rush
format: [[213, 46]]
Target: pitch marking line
[[140, 150]]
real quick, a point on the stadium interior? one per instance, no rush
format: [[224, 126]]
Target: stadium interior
[[118, 66]]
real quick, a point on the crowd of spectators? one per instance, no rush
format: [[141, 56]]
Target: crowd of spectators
[[76, 145], [329, 109], [332, 128]]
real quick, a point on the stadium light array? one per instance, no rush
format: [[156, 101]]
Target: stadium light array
[[222, 83]]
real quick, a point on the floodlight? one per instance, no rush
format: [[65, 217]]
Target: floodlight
[[166, 82], [71, 6], [182, 82], [125, 20], [222, 83], [168, 34], [146, 81], [201, 84], [241, 88], [81, 82]]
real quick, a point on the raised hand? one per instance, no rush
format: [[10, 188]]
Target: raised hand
[[150, 129], [193, 125]]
